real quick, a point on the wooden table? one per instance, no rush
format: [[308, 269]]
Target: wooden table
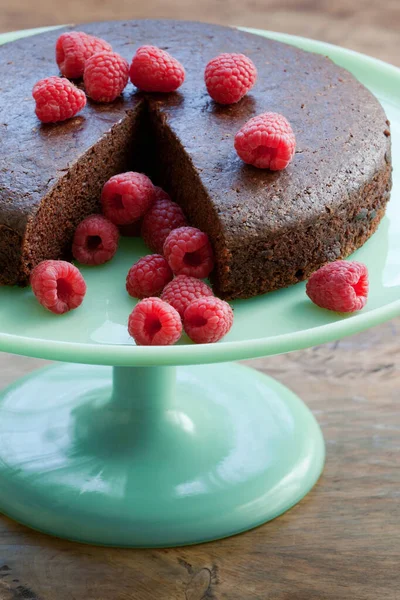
[[343, 540], [365, 25]]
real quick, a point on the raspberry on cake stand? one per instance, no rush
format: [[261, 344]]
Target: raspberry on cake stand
[[161, 446]]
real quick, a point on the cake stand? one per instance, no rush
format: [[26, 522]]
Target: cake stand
[[139, 446]]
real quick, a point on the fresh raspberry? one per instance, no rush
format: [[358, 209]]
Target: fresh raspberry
[[154, 70], [182, 290], [95, 240], [341, 286], [57, 99], [154, 323], [188, 252], [162, 218], [148, 276], [58, 285], [161, 194], [126, 197], [229, 77], [105, 77], [73, 48], [266, 141], [132, 229], [207, 320]]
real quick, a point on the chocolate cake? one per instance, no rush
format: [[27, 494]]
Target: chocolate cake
[[268, 229]]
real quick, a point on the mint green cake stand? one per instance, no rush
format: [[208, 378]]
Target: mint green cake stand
[[138, 446]]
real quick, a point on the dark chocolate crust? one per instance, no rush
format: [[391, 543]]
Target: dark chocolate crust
[[269, 230]]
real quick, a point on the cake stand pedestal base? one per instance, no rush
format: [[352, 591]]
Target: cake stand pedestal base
[[153, 456]]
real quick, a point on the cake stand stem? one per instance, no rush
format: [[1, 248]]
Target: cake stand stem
[[153, 456], [144, 391], [141, 401]]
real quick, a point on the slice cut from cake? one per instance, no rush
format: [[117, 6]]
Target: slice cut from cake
[[268, 229]]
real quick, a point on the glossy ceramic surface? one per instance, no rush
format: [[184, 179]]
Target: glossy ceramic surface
[[277, 322], [151, 463]]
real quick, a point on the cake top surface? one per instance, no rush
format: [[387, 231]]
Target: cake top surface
[[339, 124]]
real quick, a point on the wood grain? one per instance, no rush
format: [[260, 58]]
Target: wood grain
[[343, 540], [364, 25]]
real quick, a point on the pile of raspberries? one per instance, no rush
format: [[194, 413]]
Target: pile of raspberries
[[168, 283], [266, 141]]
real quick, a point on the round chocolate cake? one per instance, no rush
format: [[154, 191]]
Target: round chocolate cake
[[268, 229]]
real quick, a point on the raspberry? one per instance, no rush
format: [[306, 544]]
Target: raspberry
[[161, 194], [154, 70], [126, 197], [266, 141], [73, 48], [148, 276], [188, 252], [341, 286], [58, 285], [229, 77], [57, 99], [207, 320], [132, 229], [183, 290], [105, 77], [162, 218], [154, 323], [95, 240]]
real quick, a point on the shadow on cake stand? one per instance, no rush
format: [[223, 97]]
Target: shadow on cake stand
[[134, 446]]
